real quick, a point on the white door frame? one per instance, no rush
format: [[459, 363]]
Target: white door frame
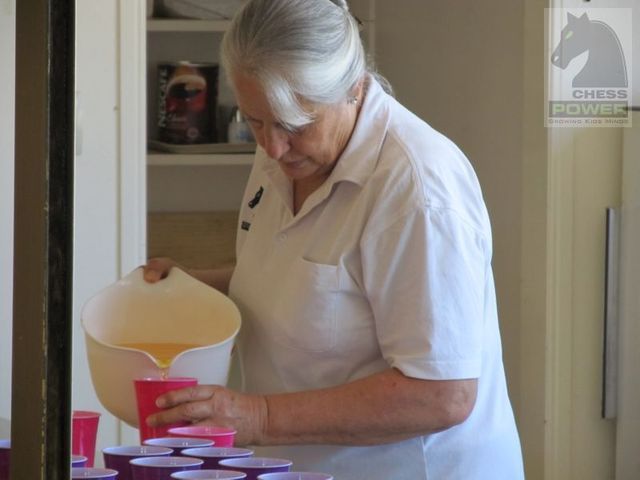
[[133, 147], [133, 134], [110, 203], [577, 442]]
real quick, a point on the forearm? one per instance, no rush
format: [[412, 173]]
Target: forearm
[[217, 278], [382, 408]]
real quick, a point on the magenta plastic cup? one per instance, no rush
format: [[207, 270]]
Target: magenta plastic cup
[[295, 476], [209, 475], [254, 466], [88, 472], [178, 444], [147, 391], [83, 434], [5, 454], [118, 458], [213, 455], [161, 468], [78, 461], [221, 436]]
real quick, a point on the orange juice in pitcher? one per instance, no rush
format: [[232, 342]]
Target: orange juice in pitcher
[[163, 353]]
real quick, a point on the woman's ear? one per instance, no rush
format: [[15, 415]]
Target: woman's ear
[[357, 91]]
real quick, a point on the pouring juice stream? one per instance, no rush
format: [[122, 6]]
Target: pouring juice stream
[[162, 353]]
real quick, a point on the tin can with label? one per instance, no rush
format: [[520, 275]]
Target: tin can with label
[[187, 98]]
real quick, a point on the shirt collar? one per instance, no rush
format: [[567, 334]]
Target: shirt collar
[[359, 158]]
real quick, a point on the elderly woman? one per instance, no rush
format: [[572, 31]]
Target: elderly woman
[[370, 343]]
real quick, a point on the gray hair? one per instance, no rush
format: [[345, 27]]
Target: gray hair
[[296, 49]]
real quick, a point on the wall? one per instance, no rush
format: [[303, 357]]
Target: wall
[[531, 381], [108, 183], [7, 86], [458, 65]]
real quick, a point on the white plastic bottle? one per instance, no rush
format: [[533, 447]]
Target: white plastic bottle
[[239, 130]]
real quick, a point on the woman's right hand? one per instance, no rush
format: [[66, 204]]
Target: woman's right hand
[[158, 268]]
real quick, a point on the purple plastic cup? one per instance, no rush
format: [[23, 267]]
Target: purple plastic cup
[[209, 475], [213, 455], [161, 468], [254, 466], [221, 436], [178, 444], [118, 458], [78, 461], [101, 473], [295, 476], [5, 454]]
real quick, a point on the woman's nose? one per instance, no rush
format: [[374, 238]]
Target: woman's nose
[[274, 141]]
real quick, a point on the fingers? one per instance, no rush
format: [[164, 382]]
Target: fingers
[[190, 412], [157, 268], [185, 405], [214, 405], [183, 395]]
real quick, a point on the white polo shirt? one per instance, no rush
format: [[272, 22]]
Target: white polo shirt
[[387, 264]]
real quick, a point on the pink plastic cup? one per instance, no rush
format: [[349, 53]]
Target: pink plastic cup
[[83, 435], [119, 457], [147, 391], [213, 455], [5, 454], [161, 468], [101, 473], [254, 466], [222, 437]]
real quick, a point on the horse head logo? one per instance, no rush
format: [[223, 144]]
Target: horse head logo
[[605, 67]]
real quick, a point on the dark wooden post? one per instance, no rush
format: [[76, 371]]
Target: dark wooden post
[[41, 380]]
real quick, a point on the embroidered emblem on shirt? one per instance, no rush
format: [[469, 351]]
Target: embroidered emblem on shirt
[[256, 198], [245, 226]]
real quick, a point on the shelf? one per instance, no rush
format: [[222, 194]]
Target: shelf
[[161, 159], [173, 25]]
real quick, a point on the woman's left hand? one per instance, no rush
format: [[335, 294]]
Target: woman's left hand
[[217, 406]]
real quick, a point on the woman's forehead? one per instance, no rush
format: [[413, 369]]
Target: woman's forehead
[[253, 101], [251, 97]]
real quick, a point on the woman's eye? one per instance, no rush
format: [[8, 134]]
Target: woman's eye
[[291, 130]]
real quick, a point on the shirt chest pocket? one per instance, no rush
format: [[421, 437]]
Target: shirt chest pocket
[[303, 314]]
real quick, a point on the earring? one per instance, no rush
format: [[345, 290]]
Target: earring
[[352, 100]]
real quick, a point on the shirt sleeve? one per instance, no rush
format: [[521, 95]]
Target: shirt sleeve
[[425, 279]]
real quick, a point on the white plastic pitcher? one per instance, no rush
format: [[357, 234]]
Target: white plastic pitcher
[[178, 309]]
